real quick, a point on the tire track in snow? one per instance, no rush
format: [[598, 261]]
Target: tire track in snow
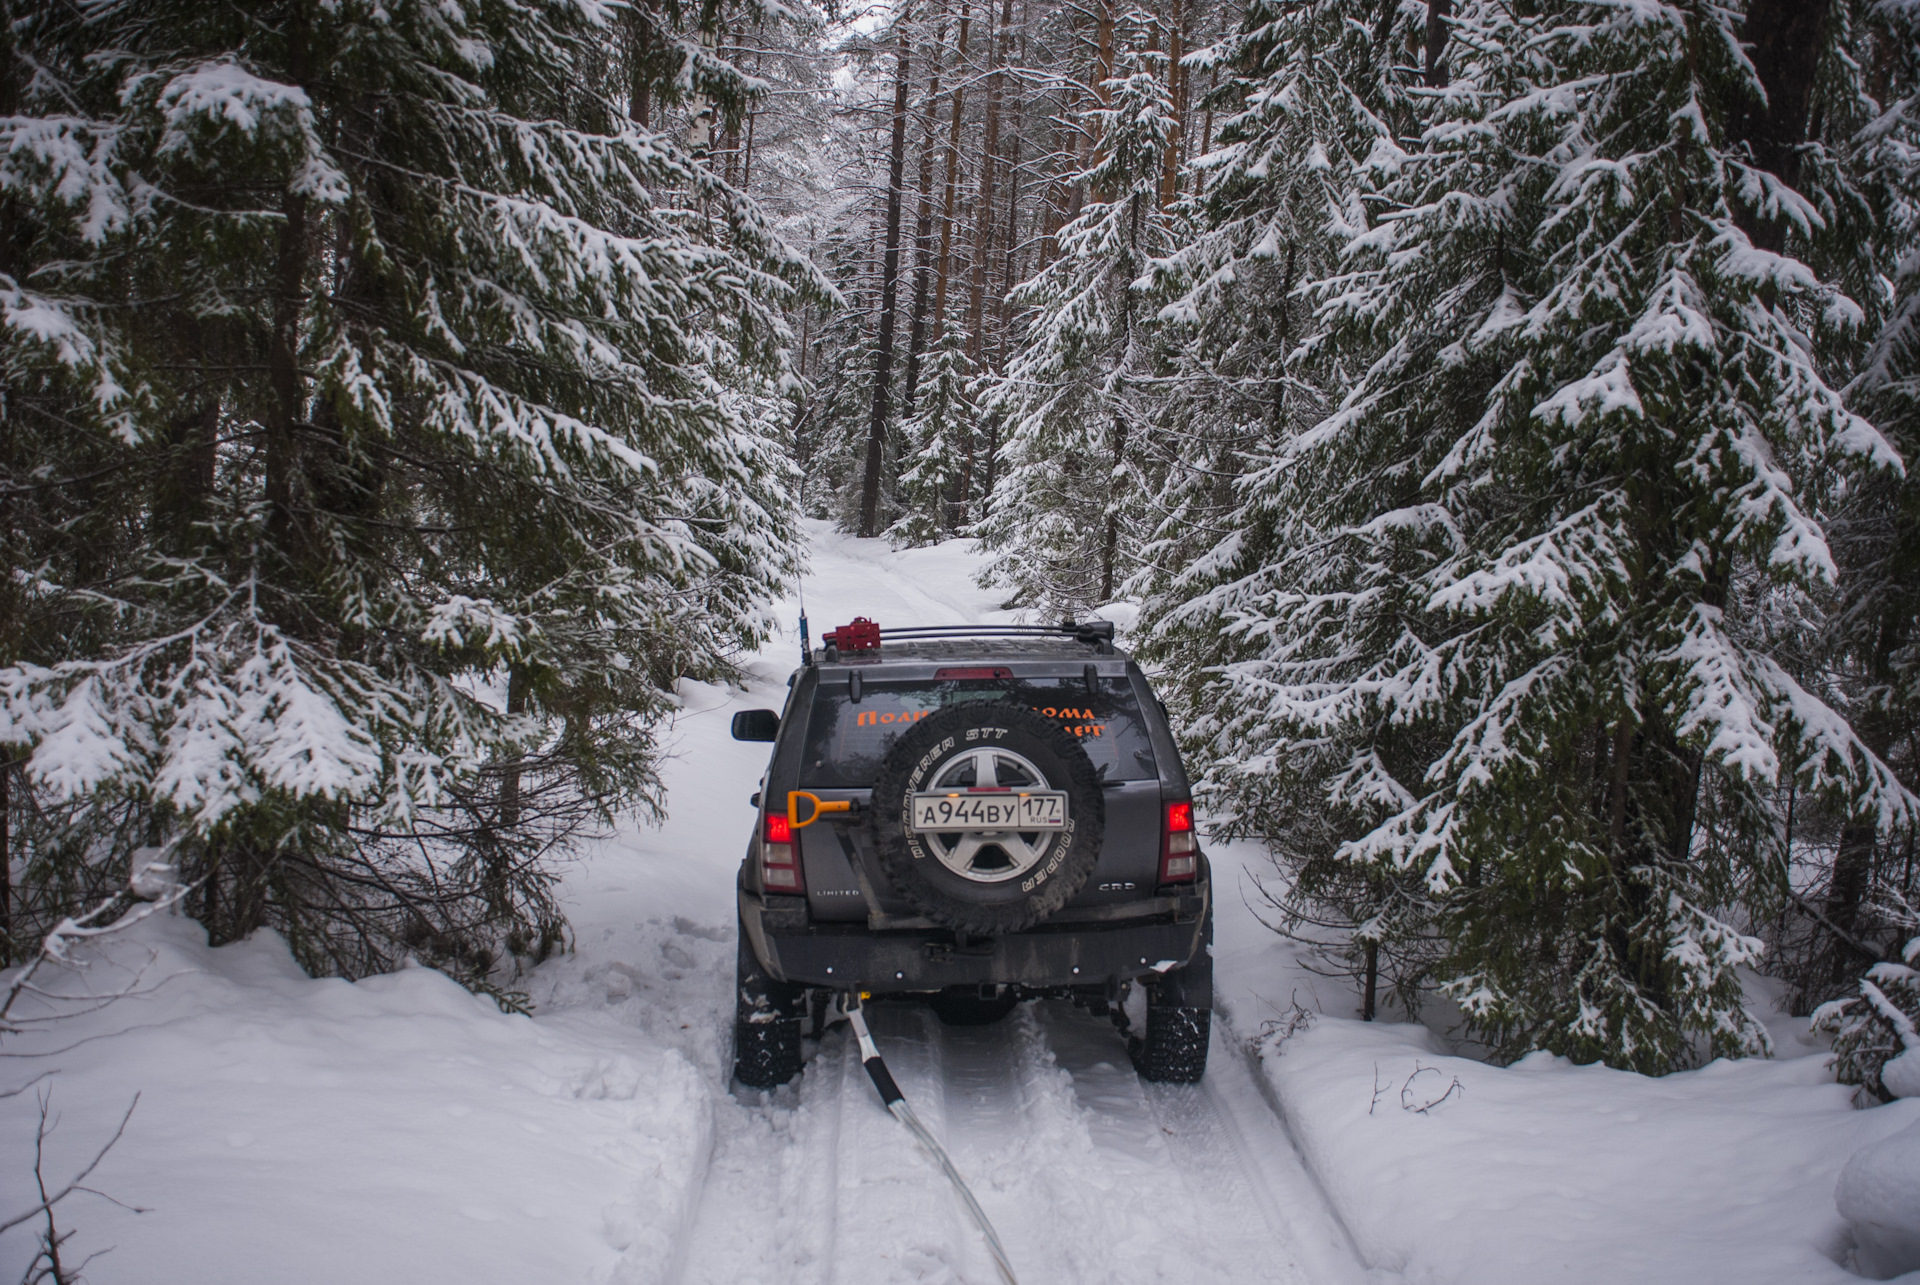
[[768, 1208], [1088, 1173]]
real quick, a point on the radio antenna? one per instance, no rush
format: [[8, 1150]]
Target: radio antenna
[[806, 648]]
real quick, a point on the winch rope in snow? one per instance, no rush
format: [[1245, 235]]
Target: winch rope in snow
[[897, 1104]]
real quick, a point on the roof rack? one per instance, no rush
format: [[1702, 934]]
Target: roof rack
[[866, 636], [1092, 631]]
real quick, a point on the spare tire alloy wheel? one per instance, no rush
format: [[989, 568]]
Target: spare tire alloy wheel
[[983, 757]]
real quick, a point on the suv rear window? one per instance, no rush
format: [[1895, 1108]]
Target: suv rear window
[[846, 741]]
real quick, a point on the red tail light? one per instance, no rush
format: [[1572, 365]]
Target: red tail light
[[972, 671], [1179, 845], [780, 857]]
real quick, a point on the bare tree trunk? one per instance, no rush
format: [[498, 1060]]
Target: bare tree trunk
[[889, 283], [746, 165], [1110, 543], [951, 180], [1008, 278], [1102, 73], [923, 226], [283, 358], [1438, 11], [983, 236], [1367, 1007], [6, 861], [639, 47], [1176, 89]]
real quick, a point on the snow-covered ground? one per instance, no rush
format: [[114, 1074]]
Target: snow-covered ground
[[292, 1130]]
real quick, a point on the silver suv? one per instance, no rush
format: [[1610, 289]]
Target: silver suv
[[972, 816]]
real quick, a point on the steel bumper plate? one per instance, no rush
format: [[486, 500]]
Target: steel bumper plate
[[848, 956]]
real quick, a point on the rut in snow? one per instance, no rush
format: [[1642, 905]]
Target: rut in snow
[[1088, 1173]]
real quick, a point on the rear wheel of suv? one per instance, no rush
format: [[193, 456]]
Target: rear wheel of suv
[[987, 882], [766, 1023], [1172, 1046]]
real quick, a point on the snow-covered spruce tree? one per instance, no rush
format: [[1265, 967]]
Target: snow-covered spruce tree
[[1876, 1030], [1311, 99], [938, 440], [1504, 634], [1857, 892], [1077, 394], [412, 403]]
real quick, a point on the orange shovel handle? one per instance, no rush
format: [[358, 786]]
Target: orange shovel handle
[[819, 805]]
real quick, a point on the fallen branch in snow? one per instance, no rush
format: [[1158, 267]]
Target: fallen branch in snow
[[129, 906], [1276, 1031], [1873, 953], [46, 1264], [1407, 1101]]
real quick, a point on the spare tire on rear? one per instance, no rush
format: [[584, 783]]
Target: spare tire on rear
[[987, 882]]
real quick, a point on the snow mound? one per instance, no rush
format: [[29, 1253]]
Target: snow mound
[[1452, 1171], [1901, 1075], [1879, 1196], [302, 1130]]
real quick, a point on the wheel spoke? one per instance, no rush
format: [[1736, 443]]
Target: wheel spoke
[[1023, 853], [965, 851], [986, 768]]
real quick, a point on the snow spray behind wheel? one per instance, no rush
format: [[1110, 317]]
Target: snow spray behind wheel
[[897, 1104]]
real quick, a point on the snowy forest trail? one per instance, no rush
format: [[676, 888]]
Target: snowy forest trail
[[1088, 1173]]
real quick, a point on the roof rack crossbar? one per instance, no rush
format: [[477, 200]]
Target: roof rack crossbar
[[1090, 631]]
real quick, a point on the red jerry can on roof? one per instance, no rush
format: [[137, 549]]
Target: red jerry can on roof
[[861, 635]]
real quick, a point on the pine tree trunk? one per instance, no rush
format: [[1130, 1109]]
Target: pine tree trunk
[[989, 149], [923, 228], [283, 358], [1176, 81], [6, 861], [1102, 73], [889, 283], [950, 180], [1785, 39], [1008, 277], [1110, 541], [1438, 11]]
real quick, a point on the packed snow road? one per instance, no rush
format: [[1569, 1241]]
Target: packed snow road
[[1088, 1173]]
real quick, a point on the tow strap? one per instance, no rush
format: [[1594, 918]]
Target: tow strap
[[897, 1104]]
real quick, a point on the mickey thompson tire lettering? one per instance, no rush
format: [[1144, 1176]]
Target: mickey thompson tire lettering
[[986, 906]]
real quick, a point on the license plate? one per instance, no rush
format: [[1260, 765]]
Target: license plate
[[1033, 810]]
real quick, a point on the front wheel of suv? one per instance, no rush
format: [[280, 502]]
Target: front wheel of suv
[[766, 1023]]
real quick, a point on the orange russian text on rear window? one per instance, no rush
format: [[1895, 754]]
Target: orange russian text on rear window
[[1068, 716], [875, 718]]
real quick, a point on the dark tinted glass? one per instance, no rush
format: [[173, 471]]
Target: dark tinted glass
[[846, 741]]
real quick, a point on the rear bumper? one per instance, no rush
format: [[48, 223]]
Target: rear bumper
[[854, 956]]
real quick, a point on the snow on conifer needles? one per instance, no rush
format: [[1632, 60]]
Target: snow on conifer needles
[[432, 400], [1498, 605]]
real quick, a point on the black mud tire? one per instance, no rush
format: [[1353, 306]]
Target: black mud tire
[[964, 1006], [1172, 1047], [978, 908], [766, 1023]]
